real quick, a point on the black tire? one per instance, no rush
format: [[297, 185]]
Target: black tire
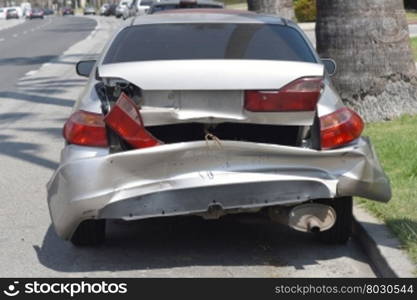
[[89, 233], [342, 229]]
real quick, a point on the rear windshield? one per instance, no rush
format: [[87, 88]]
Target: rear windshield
[[208, 41]]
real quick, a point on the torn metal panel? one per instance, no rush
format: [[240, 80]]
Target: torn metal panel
[[185, 178]]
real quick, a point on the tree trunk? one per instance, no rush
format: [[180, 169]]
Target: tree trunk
[[282, 8], [370, 42]]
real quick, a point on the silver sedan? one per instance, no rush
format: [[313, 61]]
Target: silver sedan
[[212, 113]]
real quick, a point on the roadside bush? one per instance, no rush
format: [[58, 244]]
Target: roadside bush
[[305, 10]]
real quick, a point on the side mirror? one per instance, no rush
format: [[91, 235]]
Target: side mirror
[[85, 67], [330, 65]]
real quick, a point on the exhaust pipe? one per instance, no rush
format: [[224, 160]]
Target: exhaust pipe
[[311, 217]]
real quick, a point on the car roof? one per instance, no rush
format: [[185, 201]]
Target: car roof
[[170, 2], [196, 15], [203, 10]]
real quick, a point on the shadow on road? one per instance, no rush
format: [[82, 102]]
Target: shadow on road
[[34, 60], [5, 118], [191, 241], [24, 151], [51, 131], [52, 59], [39, 91], [41, 99], [44, 87]]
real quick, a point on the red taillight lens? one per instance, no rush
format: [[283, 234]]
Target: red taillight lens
[[86, 129], [125, 119], [340, 127], [300, 95]]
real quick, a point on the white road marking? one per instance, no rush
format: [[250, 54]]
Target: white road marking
[[30, 73], [1, 40], [24, 32], [15, 35]]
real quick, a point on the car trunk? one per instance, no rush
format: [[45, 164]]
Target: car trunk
[[257, 133], [206, 100]]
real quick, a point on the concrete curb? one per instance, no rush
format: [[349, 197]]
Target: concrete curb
[[383, 249], [310, 26]]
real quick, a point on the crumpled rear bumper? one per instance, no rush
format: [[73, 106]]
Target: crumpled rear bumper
[[188, 178]]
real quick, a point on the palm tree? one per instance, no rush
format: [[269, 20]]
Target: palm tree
[[369, 40], [283, 8]]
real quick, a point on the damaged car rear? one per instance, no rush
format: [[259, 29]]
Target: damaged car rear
[[209, 114]]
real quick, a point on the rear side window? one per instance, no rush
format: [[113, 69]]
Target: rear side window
[[208, 41]]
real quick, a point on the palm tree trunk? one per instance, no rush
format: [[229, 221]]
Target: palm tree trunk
[[283, 8], [370, 42]]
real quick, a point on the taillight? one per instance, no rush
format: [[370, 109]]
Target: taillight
[[299, 95], [125, 119], [86, 129], [340, 127]]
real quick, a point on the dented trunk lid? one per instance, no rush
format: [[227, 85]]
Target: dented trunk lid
[[210, 90]]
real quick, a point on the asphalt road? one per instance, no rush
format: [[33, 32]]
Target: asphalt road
[[27, 46], [35, 100]]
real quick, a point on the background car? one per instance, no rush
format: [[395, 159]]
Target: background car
[[89, 10], [121, 8], [67, 11], [35, 13], [126, 9], [143, 6], [104, 8], [212, 113], [183, 4], [2, 13], [112, 10], [12, 13], [48, 11]]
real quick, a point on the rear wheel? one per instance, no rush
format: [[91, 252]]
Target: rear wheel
[[89, 233], [342, 229]]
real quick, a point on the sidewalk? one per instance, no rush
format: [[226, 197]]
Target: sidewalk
[[310, 26]]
